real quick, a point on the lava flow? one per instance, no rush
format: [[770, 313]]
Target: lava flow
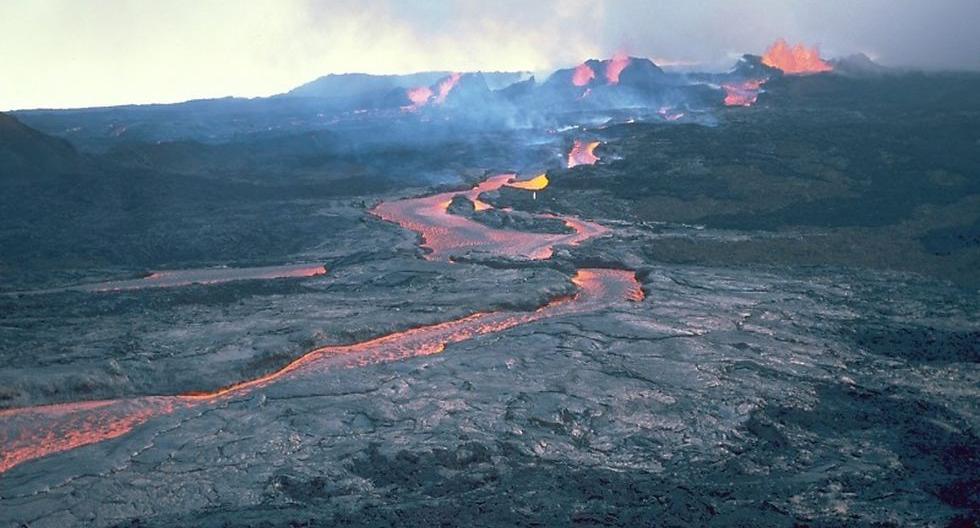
[[744, 93], [169, 279], [616, 65], [33, 432], [446, 235], [796, 60], [583, 153]]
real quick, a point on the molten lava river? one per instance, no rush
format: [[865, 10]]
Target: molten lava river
[[33, 432]]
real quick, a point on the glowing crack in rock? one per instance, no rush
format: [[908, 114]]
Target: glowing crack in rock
[[582, 153], [795, 60]]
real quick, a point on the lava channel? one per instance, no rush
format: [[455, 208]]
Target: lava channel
[[446, 235], [33, 432]]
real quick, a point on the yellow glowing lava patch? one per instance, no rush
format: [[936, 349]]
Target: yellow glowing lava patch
[[534, 184]]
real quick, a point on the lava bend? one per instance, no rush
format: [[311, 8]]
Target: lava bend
[[33, 432]]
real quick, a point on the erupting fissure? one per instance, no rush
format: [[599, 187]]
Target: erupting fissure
[[423, 95], [582, 75], [616, 65], [795, 60]]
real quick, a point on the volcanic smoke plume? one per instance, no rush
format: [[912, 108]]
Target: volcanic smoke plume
[[795, 60]]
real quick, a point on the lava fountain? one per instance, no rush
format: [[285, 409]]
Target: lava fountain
[[583, 153], [582, 75], [616, 65], [795, 60], [446, 86]]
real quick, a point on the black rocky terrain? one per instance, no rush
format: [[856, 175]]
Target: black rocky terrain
[[805, 353]]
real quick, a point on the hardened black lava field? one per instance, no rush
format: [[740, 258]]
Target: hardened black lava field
[[757, 306]]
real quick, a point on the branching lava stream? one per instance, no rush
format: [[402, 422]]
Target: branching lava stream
[[33, 432]]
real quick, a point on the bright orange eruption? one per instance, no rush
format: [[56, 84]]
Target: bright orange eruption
[[617, 64], [795, 60], [583, 153], [744, 93], [582, 75], [446, 86], [534, 184]]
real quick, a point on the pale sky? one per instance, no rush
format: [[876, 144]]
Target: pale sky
[[74, 53]]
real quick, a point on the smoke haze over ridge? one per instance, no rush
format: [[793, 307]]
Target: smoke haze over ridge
[[60, 53]]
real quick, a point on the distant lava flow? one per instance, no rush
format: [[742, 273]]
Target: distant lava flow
[[176, 278], [583, 153], [33, 432], [446, 235], [796, 60], [169, 279], [744, 93]]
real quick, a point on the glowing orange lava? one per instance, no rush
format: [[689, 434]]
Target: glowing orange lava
[[536, 183], [583, 153], [582, 75], [795, 60], [34, 432], [446, 235], [175, 278], [616, 65], [446, 86], [745, 93]]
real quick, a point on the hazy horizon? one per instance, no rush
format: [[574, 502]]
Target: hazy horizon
[[63, 55]]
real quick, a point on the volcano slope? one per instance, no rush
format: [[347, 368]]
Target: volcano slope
[[794, 359]]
